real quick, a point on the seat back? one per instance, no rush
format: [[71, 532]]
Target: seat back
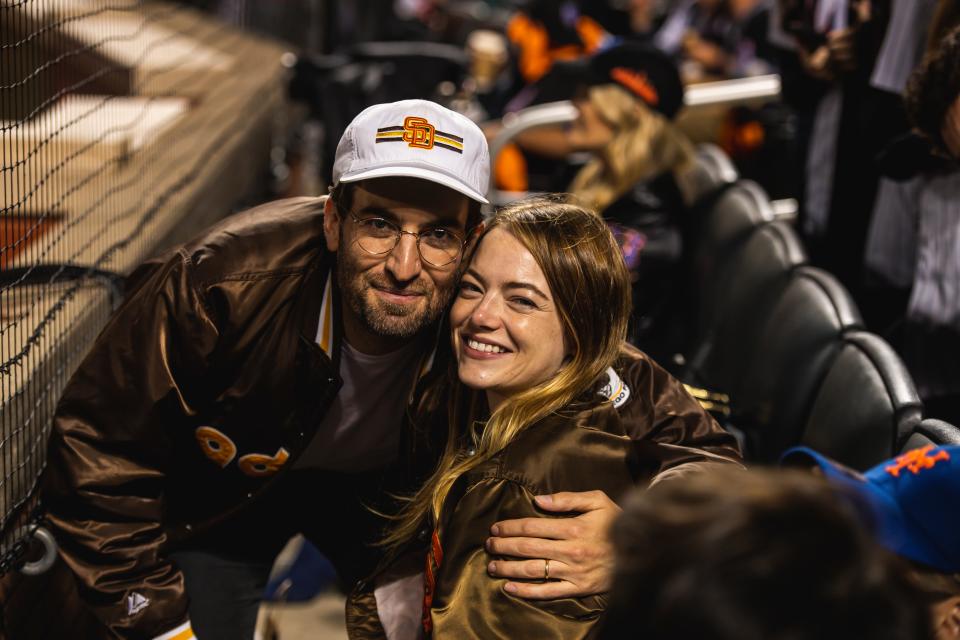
[[797, 341], [931, 432], [866, 405], [724, 227], [756, 275], [711, 170]]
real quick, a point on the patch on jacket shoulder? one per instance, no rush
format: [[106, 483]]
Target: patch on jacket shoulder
[[136, 603], [616, 390]]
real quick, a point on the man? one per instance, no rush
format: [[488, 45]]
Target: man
[[914, 241], [253, 385]]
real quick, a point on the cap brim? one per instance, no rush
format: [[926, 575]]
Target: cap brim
[[806, 457], [422, 173], [894, 529]]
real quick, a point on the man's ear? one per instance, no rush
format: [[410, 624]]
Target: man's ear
[[475, 234], [470, 245], [331, 224]]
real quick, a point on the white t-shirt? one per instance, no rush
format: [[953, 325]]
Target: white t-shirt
[[361, 429]]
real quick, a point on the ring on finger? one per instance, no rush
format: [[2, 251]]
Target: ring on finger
[[546, 570]]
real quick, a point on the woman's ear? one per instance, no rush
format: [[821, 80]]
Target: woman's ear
[[331, 224], [473, 236], [476, 232]]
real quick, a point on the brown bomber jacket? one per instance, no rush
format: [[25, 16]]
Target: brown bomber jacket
[[643, 428], [201, 391]]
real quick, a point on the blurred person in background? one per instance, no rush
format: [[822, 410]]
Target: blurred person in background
[[546, 31], [626, 97], [632, 20], [543, 396], [625, 124], [718, 38], [928, 210], [890, 252], [758, 555], [907, 500], [642, 19], [837, 42]]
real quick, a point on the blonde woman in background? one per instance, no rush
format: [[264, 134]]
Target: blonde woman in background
[[632, 144], [626, 97], [544, 395]]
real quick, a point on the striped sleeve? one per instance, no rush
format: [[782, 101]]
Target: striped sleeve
[[183, 632]]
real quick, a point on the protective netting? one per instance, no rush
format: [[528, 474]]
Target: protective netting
[[123, 124]]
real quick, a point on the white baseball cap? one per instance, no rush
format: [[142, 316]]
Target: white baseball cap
[[415, 139]]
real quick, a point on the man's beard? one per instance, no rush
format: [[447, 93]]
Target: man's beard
[[382, 316]]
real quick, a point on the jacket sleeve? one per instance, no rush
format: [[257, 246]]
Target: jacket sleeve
[[672, 433], [468, 603], [109, 448]]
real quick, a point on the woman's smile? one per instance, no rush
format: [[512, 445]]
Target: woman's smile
[[480, 348]]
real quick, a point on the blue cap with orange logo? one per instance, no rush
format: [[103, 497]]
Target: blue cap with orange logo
[[915, 499]]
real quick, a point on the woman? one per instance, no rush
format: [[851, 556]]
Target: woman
[[626, 98], [547, 397], [632, 145]]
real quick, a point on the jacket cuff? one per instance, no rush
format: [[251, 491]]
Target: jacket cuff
[[183, 632]]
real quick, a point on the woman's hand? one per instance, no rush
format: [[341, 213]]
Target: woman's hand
[[578, 548], [817, 63], [843, 51]]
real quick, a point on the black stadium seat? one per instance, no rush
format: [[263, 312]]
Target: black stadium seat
[[711, 170], [725, 225], [866, 405], [797, 342], [931, 431], [753, 281]]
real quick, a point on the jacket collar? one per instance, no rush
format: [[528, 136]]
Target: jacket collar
[[325, 328]]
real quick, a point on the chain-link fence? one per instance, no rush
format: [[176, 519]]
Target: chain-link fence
[[124, 126]]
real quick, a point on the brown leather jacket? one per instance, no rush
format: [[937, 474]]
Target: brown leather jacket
[[200, 393], [643, 428]]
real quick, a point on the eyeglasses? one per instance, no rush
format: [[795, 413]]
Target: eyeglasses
[[438, 246]]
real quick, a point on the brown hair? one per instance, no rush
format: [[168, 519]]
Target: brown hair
[[590, 285], [774, 555], [935, 585], [946, 16]]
